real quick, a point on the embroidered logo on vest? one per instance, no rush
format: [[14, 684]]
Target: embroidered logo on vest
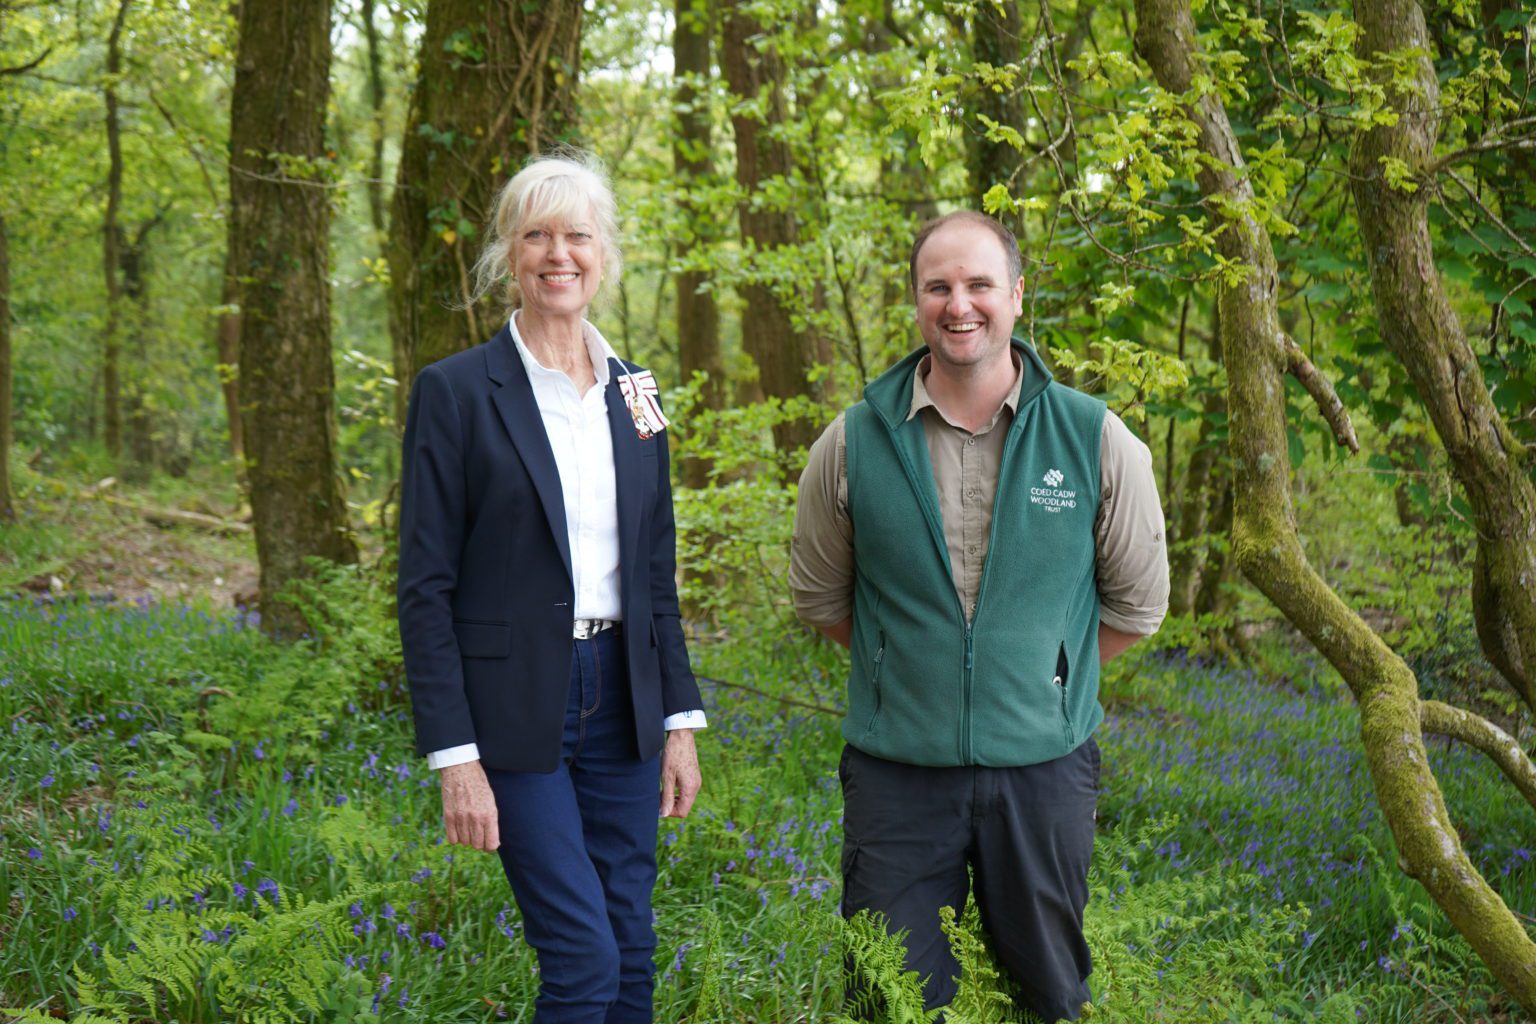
[[1051, 497]]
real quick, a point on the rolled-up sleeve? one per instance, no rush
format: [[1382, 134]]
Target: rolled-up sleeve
[[1132, 547], [821, 553]]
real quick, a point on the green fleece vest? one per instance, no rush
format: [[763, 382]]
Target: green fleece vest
[[1018, 685]]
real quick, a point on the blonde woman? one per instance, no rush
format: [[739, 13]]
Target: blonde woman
[[538, 606]]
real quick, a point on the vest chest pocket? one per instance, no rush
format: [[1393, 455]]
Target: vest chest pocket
[[1061, 684]]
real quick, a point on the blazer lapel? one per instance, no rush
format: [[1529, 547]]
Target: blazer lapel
[[520, 412], [626, 471]]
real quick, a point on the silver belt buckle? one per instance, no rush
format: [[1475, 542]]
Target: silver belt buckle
[[586, 629]]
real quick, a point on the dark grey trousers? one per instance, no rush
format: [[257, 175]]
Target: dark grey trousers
[[1025, 833]]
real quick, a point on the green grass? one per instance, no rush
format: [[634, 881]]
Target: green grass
[[175, 781]]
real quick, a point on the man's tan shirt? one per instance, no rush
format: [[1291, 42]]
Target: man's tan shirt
[[1131, 557]]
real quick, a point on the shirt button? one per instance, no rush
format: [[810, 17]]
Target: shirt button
[[970, 441], [971, 550], [971, 495]]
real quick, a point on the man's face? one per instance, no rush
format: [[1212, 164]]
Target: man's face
[[966, 303]]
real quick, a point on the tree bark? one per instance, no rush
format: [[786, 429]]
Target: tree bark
[[376, 208], [1419, 325], [1267, 548], [1202, 499], [997, 31], [783, 352], [279, 240], [1480, 734], [229, 363], [497, 84], [139, 423], [7, 508], [698, 317], [112, 239]]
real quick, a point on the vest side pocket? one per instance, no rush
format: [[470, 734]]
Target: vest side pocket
[[875, 683], [1061, 684]]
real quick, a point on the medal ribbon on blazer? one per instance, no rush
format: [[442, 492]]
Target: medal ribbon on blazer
[[641, 396]]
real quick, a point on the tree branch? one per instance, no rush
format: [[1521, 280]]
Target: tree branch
[[1476, 731], [1321, 390], [772, 696], [21, 69]]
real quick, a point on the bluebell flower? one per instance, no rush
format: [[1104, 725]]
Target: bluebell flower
[[434, 940], [70, 913]]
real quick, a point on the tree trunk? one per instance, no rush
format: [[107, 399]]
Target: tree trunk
[[997, 31], [279, 239], [1420, 327], [497, 84], [229, 363], [1267, 548], [783, 353], [139, 429], [698, 317], [376, 210], [1194, 559], [112, 238], [7, 509]]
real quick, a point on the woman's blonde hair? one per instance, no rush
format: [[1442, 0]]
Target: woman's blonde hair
[[563, 187]]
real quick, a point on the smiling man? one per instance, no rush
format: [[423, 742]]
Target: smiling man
[[982, 538]]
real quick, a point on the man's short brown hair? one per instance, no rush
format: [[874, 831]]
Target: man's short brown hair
[[1010, 244]]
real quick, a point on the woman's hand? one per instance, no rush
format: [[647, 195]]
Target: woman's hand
[[680, 779], [469, 807]]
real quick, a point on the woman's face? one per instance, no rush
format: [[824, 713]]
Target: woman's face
[[559, 266]]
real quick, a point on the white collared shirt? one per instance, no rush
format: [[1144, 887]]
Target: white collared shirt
[[578, 431]]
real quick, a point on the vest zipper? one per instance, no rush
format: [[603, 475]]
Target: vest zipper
[[965, 704]]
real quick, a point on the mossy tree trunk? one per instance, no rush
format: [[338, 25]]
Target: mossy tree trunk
[[280, 213], [497, 84], [782, 351], [1417, 323], [698, 316], [1267, 548]]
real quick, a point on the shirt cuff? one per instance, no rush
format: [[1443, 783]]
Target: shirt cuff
[[462, 754], [685, 720]]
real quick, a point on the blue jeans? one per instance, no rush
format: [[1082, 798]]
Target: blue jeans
[[578, 845]]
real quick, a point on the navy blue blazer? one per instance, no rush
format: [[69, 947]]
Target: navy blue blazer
[[485, 586]]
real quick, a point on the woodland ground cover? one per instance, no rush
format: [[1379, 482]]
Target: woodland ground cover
[[201, 824]]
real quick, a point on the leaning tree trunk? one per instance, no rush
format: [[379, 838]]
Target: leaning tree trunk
[[280, 216], [1420, 327], [783, 353], [112, 240], [698, 317], [497, 84], [1267, 548], [7, 510]]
